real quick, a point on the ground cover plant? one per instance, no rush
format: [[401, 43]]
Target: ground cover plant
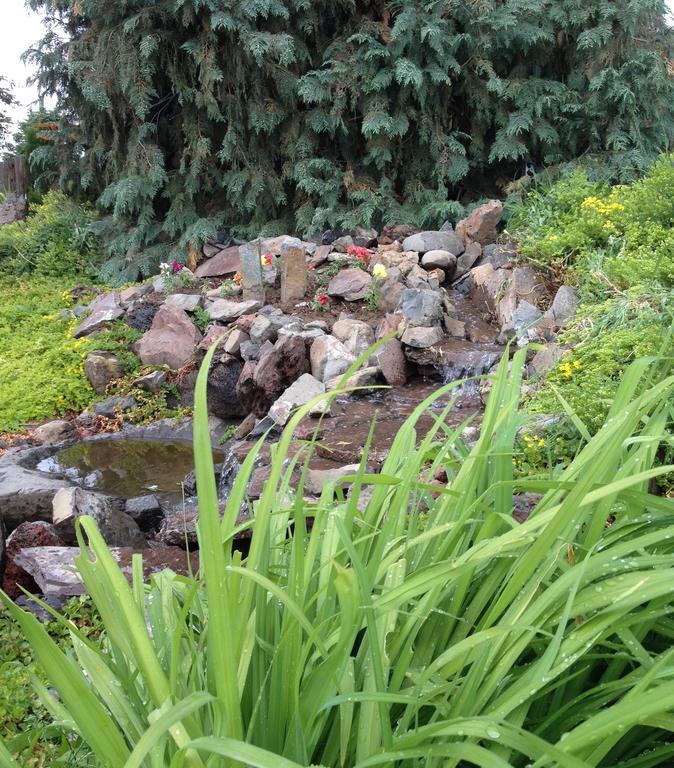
[[412, 624], [615, 246]]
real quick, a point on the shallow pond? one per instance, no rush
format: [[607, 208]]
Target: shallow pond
[[125, 467]]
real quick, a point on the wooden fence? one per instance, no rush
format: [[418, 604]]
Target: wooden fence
[[13, 176]]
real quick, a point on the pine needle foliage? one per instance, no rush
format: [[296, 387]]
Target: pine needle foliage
[[187, 116]]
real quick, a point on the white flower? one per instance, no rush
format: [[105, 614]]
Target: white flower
[[379, 270], [163, 267]]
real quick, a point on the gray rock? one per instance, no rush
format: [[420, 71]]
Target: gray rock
[[151, 382], [365, 377], [528, 284], [486, 285], [422, 337], [234, 340], [308, 334], [53, 569], [261, 330], [420, 307], [300, 392], [317, 479], [329, 358], [499, 256], [467, 259], [439, 259], [105, 313], [455, 328], [24, 493], [54, 432], [188, 302], [365, 237], [102, 368], [356, 335], [248, 350], [117, 528], [350, 284], [342, 244], [423, 242], [564, 305], [115, 405], [225, 311], [545, 359], [146, 511], [525, 317]]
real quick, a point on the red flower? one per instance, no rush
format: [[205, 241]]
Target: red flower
[[177, 266], [322, 299], [267, 259], [310, 267]]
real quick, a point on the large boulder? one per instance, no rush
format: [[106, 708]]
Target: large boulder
[[117, 528], [480, 225], [329, 358], [102, 368], [222, 379], [261, 383], [423, 242], [420, 307], [226, 262], [172, 340], [350, 284], [443, 260], [356, 335], [392, 363]]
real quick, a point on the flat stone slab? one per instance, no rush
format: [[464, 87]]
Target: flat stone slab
[[225, 310], [226, 262], [55, 572]]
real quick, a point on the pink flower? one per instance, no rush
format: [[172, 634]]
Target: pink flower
[[177, 266]]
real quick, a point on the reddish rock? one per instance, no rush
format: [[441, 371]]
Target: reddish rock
[[214, 334], [480, 225], [388, 324], [37, 534], [487, 285], [276, 370], [393, 232], [350, 284], [227, 262], [172, 340], [392, 363], [244, 323]]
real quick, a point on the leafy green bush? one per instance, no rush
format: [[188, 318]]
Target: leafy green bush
[[56, 240], [603, 238], [410, 625]]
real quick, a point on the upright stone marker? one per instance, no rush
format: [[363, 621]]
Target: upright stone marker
[[251, 268], [293, 270]]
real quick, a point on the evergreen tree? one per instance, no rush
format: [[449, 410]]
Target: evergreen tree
[[188, 116], [6, 100]]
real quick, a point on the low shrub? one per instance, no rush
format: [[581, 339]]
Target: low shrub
[[603, 239], [409, 624], [56, 240]]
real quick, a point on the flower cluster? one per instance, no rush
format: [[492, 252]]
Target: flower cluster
[[567, 368], [533, 442], [601, 207], [238, 278], [171, 269], [379, 271], [266, 259], [321, 301], [361, 253]]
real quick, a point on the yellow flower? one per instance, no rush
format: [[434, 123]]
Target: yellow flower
[[576, 364], [379, 270]]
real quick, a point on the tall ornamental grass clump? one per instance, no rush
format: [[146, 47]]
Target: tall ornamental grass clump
[[410, 624]]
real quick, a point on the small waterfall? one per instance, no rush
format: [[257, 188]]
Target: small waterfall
[[230, 470]]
